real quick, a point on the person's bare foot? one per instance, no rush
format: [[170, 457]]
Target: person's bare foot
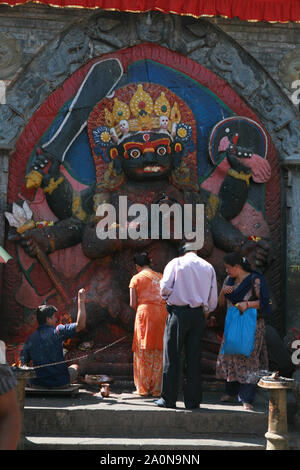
[[247, 406]]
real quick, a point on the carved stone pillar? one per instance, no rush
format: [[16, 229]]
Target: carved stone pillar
[[291, 170]]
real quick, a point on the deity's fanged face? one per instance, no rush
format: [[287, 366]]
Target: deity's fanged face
[[144, 129], [147, 156]]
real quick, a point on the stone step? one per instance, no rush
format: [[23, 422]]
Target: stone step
[[128, 415], [154, 423], [198, 442]]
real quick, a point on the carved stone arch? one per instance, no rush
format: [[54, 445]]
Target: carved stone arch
[[198, 40]]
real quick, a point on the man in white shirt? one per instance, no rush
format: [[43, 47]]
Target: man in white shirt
[[189, 286]]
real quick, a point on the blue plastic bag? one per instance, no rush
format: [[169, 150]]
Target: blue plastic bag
[[239, 331]]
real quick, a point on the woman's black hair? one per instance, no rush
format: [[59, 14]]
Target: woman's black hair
[[235, 258], [43, 312], [142, 259]]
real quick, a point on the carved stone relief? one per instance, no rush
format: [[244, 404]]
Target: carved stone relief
[[197, 39], [10, 56], [289, 68]]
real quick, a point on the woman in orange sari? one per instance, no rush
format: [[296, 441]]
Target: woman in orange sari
[[149, 327]]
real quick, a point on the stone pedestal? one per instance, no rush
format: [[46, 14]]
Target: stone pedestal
[[277, 434]]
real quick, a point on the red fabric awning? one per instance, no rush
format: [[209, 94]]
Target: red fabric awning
[[250, 10]]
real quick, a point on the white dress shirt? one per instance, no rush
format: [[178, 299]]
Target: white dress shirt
[[190, 280]]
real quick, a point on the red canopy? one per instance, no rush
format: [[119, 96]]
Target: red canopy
[[250, 10]]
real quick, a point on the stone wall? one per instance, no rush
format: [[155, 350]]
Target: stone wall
[[34, 25], [268, 43]]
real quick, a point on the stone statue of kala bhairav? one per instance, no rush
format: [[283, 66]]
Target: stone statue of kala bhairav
[[143, 140]]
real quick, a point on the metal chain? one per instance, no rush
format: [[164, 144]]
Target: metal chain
[[81, 357]]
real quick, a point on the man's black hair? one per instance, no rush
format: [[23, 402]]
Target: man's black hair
[[43, 312]]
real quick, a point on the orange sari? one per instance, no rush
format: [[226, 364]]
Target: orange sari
[[148, 332]]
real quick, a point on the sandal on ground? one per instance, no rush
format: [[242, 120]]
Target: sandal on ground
[[247, 406]]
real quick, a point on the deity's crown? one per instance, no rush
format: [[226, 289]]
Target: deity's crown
[[136, 108], [141, 113]]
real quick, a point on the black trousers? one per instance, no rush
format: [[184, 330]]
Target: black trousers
[[183, 333]]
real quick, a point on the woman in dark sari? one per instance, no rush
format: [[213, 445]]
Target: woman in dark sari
[[244, 288]]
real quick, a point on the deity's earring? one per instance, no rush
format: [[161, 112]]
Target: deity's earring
[[177, 155]]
